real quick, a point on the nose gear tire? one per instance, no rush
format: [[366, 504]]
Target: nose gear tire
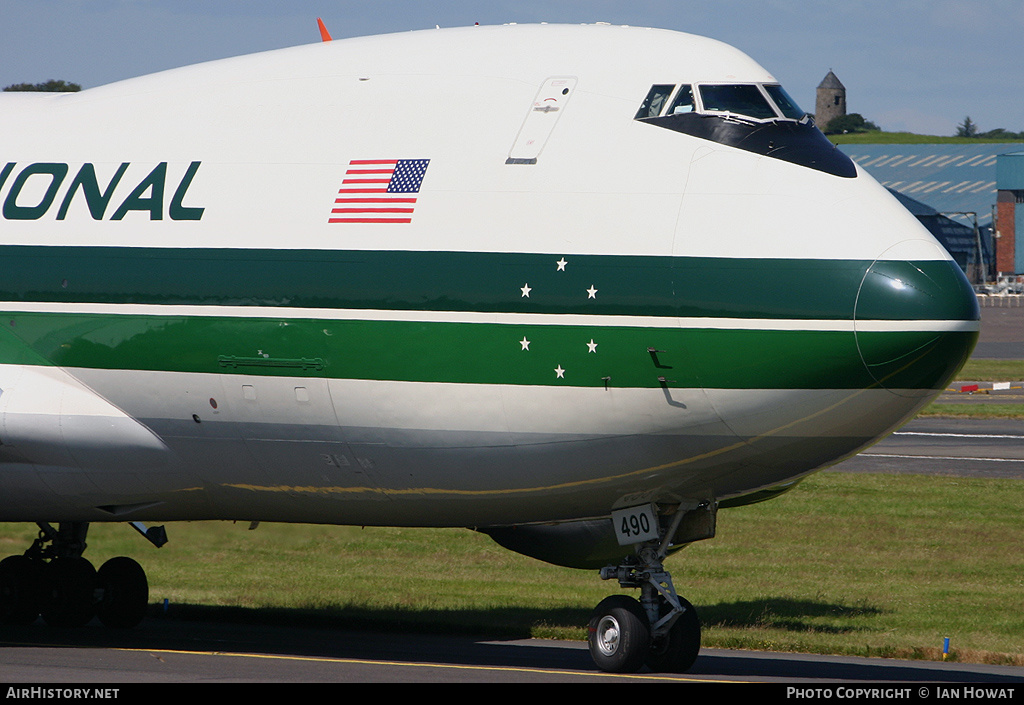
[[619, 635]]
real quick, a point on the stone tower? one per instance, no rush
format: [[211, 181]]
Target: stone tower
[[831, 101]]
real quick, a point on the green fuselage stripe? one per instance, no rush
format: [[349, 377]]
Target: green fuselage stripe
[[486, 353], [811, 289], [87, 307]]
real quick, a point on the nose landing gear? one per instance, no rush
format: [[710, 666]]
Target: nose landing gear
[[52, 579], [661, 630]]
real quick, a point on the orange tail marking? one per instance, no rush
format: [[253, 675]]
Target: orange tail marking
[[324, 34]]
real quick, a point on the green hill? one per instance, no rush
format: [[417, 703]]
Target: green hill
[[881, 137]]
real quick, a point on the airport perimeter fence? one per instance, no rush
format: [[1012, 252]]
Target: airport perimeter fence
[[1001, 300]]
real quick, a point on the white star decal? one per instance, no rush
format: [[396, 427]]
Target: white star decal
[[591, 292], [526, 290], [525, 343], [592, 345], [561, 265], [559, 372]]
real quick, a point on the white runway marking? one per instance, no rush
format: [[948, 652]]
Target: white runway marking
[[958, 435], [942, 457]]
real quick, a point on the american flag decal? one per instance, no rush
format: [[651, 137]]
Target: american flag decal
[[379, 191]]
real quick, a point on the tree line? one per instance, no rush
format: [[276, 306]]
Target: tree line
[[51, 86], [855, 122], [968, 128]]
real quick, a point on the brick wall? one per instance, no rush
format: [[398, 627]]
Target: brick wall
[[1006, 227]]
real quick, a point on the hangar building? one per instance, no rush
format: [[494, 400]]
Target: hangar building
[[954, 190]]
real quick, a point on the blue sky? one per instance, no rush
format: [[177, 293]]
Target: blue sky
[[919, 65]]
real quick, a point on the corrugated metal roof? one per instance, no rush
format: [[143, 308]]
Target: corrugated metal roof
[[958, 238], [947, 177]]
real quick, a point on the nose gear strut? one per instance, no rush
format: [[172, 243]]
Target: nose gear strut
[[661, 630]]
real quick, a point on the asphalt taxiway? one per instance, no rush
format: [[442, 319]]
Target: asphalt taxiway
[[165, 651], [1002, 329], [947, 446]]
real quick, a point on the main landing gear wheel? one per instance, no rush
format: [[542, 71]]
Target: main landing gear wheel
[[125, 593], [619, 635], [20, 590], [52, 579], [69, 594]]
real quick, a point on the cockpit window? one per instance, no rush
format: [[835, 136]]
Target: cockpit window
[[683, 102], [745, 99], [752, 100], [755, 117], [655, 101], [784, 102]]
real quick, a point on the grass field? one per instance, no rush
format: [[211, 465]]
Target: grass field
[[845, 563], [907, 138], [975, 411], [978, 370]]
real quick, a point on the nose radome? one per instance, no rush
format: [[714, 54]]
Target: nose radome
[[916, 318]]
